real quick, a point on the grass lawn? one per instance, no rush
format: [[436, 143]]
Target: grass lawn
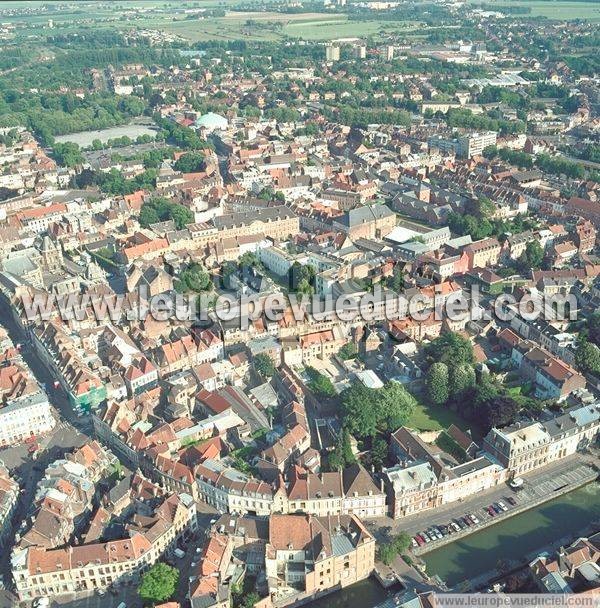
[[434, 418], [337, 26]]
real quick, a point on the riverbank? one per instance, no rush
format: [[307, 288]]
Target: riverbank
[[472, 562], [552, 484]]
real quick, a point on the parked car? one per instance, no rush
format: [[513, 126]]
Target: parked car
[[474, 518], [491, 511], [414, 543], [502, 506], [425, 537], [438, 532], [419, 540], [455, 526], [466, 521], [511, 500]]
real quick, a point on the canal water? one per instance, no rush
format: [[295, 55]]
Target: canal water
[[515, 537], [364, 594]]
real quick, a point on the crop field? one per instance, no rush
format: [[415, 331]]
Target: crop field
[[556, 9]]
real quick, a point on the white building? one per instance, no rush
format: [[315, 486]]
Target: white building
[[25, 417]]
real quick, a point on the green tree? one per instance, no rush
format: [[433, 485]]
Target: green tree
[[67, 154], [367, 411], [461, 380], [396, 281], [158, 584], [451, 348], [342, 455], [193, 278], [531, 258], [264, 365], [436, 384], [162, 209], [319, 383], [191, 162], [394, 406], [348, 351], [499, 411], [587, 357]]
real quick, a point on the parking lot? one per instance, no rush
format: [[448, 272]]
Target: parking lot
[[539, 485]]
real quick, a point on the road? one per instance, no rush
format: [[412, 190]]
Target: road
[[538, 484]]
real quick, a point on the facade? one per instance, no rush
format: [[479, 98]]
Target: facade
[[40, 572], [25, 417], [423, 480], [483, 253], [307, 555], [528, 446]]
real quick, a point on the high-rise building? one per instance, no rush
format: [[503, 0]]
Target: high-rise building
[[332, 52]]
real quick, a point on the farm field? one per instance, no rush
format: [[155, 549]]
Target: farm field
[[555, 9], [274, 26]]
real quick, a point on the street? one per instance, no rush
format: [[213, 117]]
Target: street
[[538, 484]]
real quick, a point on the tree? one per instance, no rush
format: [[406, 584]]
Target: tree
[[190, 162], [162, 209], [67, 154], [451, 348], [531, 258], [377, 455], [593, 327], [402, 542], [302, 277], [367, 411], [158, 584], [319, 384], [461, 379], [342, 455], [499, 412], [436, 384], [394, 406], [348, 351], [264, 365], [387, 553], [193, 278], [181, 215], [587, 357], [396, 281], [398, 545]]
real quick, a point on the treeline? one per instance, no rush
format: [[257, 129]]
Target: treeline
[[113, 182], [550, 164], [50, 114], [180, 136], [458, 117]]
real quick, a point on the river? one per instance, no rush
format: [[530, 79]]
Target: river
[[363, 594], [516, 536]]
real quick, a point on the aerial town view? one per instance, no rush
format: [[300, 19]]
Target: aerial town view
[[299, 303]]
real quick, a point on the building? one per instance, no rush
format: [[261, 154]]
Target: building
[[25, 417], [307, 555], [332, 52], [523, 447], [485, 252], [424, 480], [39, 572]]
